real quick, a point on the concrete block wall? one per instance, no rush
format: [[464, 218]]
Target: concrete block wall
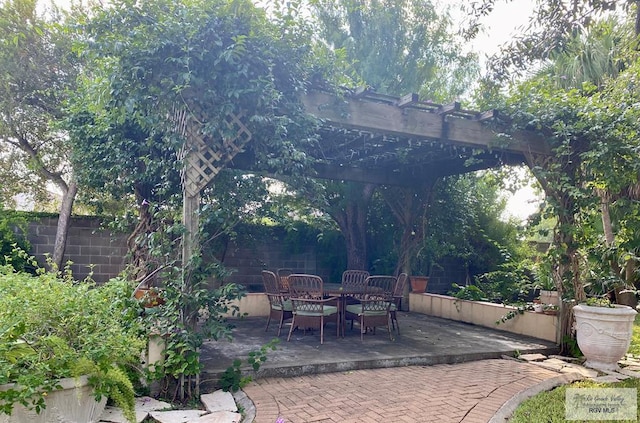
[[268, 252], [88, 246], [448, 272]]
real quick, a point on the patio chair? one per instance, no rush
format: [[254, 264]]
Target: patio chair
[[398, 293], [283, 278], [355, 279], [279, 306], [375, 307], [310, 309]]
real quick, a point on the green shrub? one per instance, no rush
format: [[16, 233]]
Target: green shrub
[[12, 239], [469, 292], [53, 328]]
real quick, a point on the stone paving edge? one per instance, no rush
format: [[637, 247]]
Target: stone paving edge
[[505, 412], [248, 407]]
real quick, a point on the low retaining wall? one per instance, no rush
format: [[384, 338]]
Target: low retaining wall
[[481, 313], [254, 304]]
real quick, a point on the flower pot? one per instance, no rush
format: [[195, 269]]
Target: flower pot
[[74, 403], [148, 297], [537, 308], [603, 334], [419, 283], [626, 297]]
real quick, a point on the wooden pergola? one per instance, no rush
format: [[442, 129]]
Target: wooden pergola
[[363, 137], [369, 137]]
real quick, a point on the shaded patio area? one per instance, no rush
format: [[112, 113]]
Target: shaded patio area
[[424, 340]]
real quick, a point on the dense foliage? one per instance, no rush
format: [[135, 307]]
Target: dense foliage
[[53, 328], [422, 53], [13, 228]]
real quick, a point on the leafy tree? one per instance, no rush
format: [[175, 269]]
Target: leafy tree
[[396, 47], [550, 30], [210, 60], [37, 72], [593, 172]]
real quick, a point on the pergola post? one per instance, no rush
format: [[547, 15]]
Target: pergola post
[[203, 157], [191, 221]]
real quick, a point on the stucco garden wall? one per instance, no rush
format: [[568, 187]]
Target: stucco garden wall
[[486, 314]]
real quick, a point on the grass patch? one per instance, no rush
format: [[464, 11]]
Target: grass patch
[[548, 407]]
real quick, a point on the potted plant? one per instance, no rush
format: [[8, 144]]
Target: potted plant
[[57, 333], [419, 283], [603, 332]]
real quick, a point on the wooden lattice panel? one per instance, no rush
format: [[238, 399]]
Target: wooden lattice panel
[[204, 156]]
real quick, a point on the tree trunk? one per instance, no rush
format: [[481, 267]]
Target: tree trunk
[[69, 192], [352, 221], [137, 240], [606, 220], [609, 236], [409, 206], [566, 261]]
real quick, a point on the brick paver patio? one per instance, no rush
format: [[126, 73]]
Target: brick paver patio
[[469, 392]]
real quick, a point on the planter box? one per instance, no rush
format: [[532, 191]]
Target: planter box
[[537, 325], [255, 304], [74, 403]]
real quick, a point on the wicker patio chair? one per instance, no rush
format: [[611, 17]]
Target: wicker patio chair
[[375, 307], [283, 278], [354, 279], [279, 306], [310, 309], [398, 293]]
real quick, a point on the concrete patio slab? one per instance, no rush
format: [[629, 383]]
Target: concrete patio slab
[[424, 340]]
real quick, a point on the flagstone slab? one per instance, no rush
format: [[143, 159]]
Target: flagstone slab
[[144, 405], [219, 401], [115, 415], [532, 357], [177, 416]]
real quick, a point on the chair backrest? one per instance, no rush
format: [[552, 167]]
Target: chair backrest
[[283, 278], [354, 277], [398, 289], [271, 288], [270, 281], [305, 286], [284, 271], [380, 286], [378, 298]]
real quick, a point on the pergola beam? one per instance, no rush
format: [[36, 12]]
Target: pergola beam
[[384, 118]]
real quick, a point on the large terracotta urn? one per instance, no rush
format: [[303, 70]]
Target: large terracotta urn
[[603, 334]]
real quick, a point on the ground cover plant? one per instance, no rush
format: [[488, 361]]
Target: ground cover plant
[[549, 406]]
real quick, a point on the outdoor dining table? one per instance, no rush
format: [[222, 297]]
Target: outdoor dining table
[[342, 293]]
